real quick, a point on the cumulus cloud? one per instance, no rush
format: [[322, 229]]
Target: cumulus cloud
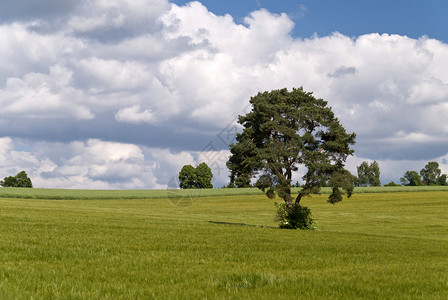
[[430, 91], [43, 96], [134, 114], [126, 17], [25, 10], [140, 78], [103, 165]]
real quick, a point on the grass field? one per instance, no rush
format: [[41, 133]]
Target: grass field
[[371, 246], [67, 194]]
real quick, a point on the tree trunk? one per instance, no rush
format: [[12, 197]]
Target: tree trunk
[[287, 197], [299, 197]]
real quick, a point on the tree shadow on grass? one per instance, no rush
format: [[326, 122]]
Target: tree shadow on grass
[[241, 224]]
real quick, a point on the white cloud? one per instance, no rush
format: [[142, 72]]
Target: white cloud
[[143, 71], [23, 51], [97, 150], [91, 164], [101, 15], [43, 96], [10, 158], [114, 75], [102, 165], [134, 114], [431, 91]]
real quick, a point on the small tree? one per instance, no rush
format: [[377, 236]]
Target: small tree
[[430, 173], [204, 176], [187, 177], [411, 178], [284, 130], [20, 180], [369, 175], [196, 178], [442, 180]]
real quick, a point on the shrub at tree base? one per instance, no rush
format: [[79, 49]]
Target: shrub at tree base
[[295, 217]]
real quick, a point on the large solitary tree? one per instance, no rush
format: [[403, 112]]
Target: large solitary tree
[[286, 129]]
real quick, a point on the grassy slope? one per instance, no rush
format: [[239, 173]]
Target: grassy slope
[[377, 246]]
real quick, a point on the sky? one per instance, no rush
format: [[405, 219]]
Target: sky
[[120, 94]]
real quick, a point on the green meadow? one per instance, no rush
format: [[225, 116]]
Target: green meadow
[[383, 243], [73, 194]]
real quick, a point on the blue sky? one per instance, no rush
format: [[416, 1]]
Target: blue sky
[[122, 94], [413, 18]]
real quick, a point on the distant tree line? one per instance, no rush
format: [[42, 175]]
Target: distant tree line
[[369, 175], [20, 180], [429, 175]]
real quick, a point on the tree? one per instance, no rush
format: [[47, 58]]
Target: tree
[[20, 180], [363, 174], [442, 180], [369, 175], [411, 178], [187, 177], [204, 177], [287, 129], [430, 173], [196, 178]]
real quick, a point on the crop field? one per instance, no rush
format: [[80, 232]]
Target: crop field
[[135, 244], [67, 194]]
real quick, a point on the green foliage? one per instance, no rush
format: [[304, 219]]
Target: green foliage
[[368, 175], [204, 176], [372, 246], [287, 129], [187, 177], [20, 180], [411, 178], [392, 184], [442, 180], [293, 217], [196, 178], [430, 173]]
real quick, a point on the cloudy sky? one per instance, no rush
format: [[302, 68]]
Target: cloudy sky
[[122, 93]]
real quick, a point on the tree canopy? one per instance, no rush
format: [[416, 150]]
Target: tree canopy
[[286, 129], [20, 180], [369, 174], [204, 176], [411, 178], [196, 178], [442, 180], [187, 177], [430, 173]]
